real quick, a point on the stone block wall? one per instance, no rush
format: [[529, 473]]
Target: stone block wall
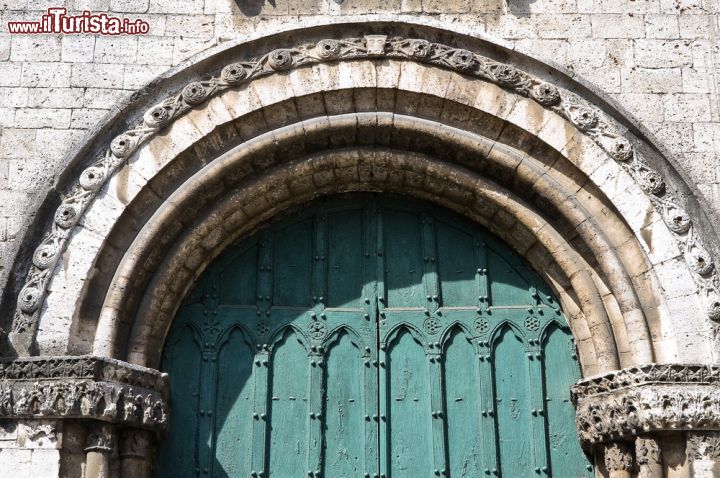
[[657, 58], [31, 448]]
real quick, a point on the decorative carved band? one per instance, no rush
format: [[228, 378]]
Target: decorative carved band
[[589, 119], [83, 388], [647, 398]]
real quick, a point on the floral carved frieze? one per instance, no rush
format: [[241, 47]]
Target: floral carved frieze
[[640, 400], [83, 388], [586, 117]]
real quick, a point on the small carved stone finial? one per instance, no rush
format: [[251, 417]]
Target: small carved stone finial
[[100, 438], [618, 457]]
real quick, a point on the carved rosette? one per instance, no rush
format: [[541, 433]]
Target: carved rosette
[[585, 116], [640, 400], [83, 388]]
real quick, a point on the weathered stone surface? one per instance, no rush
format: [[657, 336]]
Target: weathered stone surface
[[655, 57], [587, 120], [80, 388], [646, 399]]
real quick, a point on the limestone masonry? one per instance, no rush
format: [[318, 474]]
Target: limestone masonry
[[583, 133]]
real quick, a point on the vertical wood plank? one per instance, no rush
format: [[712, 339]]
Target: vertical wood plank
[[260, 412], [264, 281], [289, 409], [316, 395], [431, 282], [488, 409], [233, 408], [344, 409], [513, 405], [319, 270], [537, 404], [372, 289], [206, 405], [462, 395], [382, 408], [456, 265], [315, 354], [347, 258], [403, 259], [179, 454], [560, 371], [481, 273], [438, 413], [293, 263], [409, 420]]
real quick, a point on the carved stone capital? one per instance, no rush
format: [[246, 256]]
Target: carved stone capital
[[83, 388], [644, 399], [100, 438], [704, 446], [135, 443], [647, 451], [618, 457]]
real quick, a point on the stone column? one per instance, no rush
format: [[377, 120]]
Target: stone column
[[647, 456], [99, 448], [703, 450], [135, 453], [618, 459]]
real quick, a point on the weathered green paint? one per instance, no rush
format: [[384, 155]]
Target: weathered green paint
[[368, 336]]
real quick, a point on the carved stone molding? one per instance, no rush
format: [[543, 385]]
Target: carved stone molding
[[586, 117], [648, 398], [83, 388]]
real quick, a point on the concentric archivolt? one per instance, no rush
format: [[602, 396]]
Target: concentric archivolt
[[584, 116]]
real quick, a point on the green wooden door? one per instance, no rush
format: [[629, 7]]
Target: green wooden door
[[371, 337]]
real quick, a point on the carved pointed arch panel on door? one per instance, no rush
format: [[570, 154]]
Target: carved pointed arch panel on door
[[371, 336]]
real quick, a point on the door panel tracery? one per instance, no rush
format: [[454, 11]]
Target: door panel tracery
[[367, 336]]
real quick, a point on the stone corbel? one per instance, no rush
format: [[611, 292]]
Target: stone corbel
[[83, 388], [643, 400]]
